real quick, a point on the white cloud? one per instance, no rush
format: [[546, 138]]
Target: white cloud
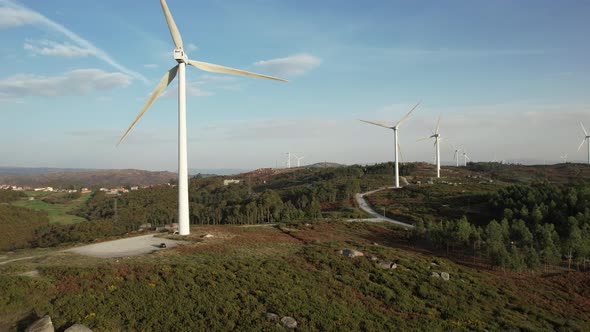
[[293, 65], [151, 65], [11, 17], [191, 47], [192, 90], [73, 83], [13, 14], [51, 48]]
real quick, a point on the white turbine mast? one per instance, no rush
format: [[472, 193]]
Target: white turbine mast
[[180, 69], [288, 162], [437, 140], [456, 155], [396, 144], [465, 158], [586, 140]]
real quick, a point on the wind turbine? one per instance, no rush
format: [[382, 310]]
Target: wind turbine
[[298, 159], [437, 140], [587, 140], [395, 140], [456, 155], [564, 158], [465, 158], [288, 163], [180, 69]]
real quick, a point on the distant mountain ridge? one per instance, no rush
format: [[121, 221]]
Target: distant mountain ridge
[[88, 178], [10, 171]]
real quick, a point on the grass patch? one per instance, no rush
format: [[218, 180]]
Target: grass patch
[[58, 213]]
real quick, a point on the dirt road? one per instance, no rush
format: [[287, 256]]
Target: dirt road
[[360, 199]]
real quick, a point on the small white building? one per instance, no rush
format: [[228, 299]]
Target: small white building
[[231, 181]]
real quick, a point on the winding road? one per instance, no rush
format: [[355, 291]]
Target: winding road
[[360, 199]]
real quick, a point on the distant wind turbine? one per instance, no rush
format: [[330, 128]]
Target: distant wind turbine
[[456, 155], [180, 69], [288, 162], [437, 140], [465, 158], [564, 158], [395, 140], [586, 139], [299, 159]]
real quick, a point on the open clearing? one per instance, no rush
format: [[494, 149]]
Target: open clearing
[[132, 246], [57, 213]]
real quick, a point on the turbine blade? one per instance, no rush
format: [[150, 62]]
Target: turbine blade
[[407, 115], [584, 129], [226, 70], [581, 144], [401, 155], [376, 124], [422, 139], [164, 82], [437, 124], [171, 25]]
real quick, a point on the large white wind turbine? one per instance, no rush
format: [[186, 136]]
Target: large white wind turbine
[[180, 69], [585, 140], [437, 140], [395, 140]]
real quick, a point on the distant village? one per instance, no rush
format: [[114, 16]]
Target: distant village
[[108, 191]]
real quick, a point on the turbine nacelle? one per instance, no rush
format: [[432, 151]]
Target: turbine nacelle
[[180, 56]]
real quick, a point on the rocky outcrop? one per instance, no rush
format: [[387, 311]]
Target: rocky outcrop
[[289, 323], [351, 253], [41, 325], [78, 328]]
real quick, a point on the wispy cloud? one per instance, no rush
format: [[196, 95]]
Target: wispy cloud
[[13, 14], [192, 90], [51, 48], [73, 83], [151, 65], [293, 65], [191, 47]]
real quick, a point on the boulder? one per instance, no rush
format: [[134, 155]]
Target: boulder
[[41, 325], [435, 275], [78, 328], [445, 276], [289, 323], [403, 181], [207, 236], [351, 253], [271, 316], [387, 265]]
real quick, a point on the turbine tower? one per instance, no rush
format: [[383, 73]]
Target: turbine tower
[[298, 159], [586, 140], [180, 69], [288, 163], [456, 155], [395, 140], [437, 140], [465, 158]]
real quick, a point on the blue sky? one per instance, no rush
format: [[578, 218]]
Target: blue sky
[[509, 78]]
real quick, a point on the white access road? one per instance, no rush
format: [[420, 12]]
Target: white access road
[[360, 199]]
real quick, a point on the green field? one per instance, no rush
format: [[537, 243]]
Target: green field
[[58, 213]]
